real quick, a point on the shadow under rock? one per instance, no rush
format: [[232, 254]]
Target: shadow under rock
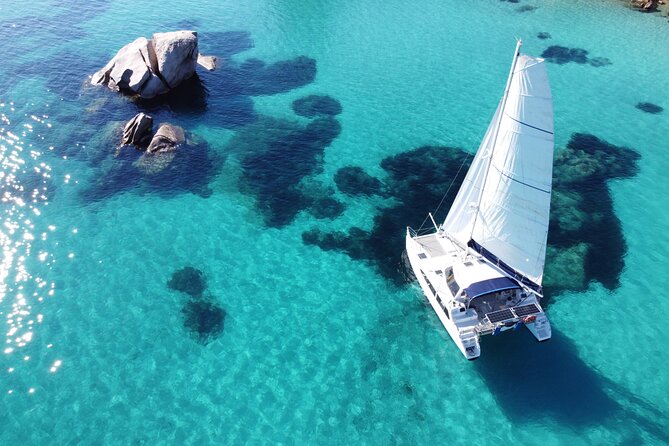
[[225, 94], [195, 98]]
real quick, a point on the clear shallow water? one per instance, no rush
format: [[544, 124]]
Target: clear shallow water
[[317, 347]]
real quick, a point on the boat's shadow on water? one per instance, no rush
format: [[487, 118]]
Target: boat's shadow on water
[[533, 382]]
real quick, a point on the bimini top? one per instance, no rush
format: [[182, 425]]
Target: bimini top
[[490, 286]]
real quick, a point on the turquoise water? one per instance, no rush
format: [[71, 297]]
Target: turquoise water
[[324, 340]]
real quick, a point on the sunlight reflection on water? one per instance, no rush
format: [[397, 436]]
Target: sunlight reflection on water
[[24, 192]]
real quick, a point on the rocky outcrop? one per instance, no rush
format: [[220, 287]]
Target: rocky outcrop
[[168, 138], [644, 5], [138, 131], [153, 67], [207, 62]]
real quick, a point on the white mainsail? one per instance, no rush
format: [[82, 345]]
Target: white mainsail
[[504, 202]]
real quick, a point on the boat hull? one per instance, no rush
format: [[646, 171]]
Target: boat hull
[[468, 344], [464, 328]]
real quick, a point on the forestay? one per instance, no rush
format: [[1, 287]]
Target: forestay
[[503, 204]]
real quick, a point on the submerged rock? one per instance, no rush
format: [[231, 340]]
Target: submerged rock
[[649, 107], [327, 207], [204, 319], [153, 67], [138, 130], [276, 156], [154, 163], [353, 180], [188, 280], [316, 105], [189, 169], [562, 55]]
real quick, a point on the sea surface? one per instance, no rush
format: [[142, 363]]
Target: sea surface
[[254, 291]]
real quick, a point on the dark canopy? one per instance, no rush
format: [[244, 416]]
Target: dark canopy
[[490, 286]]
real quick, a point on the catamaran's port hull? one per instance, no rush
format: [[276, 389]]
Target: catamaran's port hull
[[473, 341]]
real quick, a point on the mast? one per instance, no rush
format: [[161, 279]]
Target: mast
[[494, 141]]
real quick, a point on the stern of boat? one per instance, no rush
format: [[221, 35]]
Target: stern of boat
[[469, 345], [540, 328], [529, 315]]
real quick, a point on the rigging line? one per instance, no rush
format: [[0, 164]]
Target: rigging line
[[526, 124], [457, 174], [518, 181]]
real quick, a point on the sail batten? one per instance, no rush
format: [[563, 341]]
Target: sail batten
[[504, 202]]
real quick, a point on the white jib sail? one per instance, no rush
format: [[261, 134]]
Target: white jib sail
[[504, 201]]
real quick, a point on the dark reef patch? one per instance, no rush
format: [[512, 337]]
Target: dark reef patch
[[599, 61], [353, 180], [188, 280], [543, 35], [526, 8], [327, 207], [316, 105], [204, 319], [562, 55], [254, 77], [191, 170], [586, 242], [585, 236], [649, 107], [416, 180], [275, 156]]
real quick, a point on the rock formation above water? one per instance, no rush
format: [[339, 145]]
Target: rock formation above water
[[153, 67], [162, 149], [138, 131], [167, 138]]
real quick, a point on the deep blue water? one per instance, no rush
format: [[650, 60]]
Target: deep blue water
[[328, 128]]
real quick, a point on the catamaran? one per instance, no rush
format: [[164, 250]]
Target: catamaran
[[482, 268]]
